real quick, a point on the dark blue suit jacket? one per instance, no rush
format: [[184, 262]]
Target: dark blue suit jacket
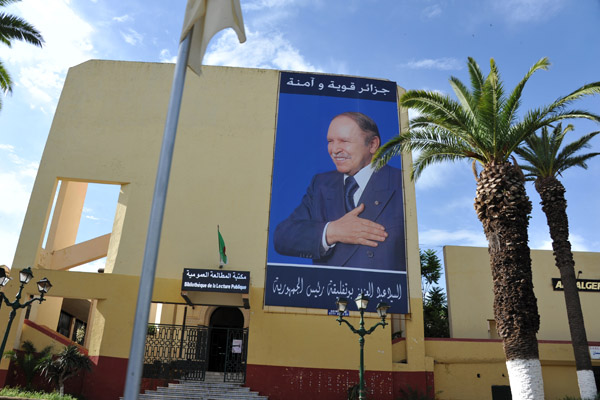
[[300, 234]]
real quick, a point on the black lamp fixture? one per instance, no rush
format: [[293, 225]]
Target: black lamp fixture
[[362, 301], [25, 275], [4, 278]]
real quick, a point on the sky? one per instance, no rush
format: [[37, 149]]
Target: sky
[[419, 44]]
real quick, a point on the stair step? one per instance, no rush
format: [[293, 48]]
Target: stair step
[[211, 389]]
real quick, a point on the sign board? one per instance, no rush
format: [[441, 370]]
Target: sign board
[[236, 346], [308, 193], [211, 280], [595, 352], [583, 285]]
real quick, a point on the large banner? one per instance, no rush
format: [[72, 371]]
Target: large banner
[[336, 226]]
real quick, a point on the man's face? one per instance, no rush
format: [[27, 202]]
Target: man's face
[[347, 147]]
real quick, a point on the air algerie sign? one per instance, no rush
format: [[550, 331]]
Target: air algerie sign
[[583, 285]]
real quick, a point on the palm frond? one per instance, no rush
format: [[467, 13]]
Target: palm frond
[[540, 152], [431, 156], [392, 148], [549, 119], [530, 175], [7, 2], [438, 107], [5, 80], [483, 123], [586, 90], [433, 144], [514, 100], [464, 96], [477, 78], [489, 105], [576, 161], [573, 147], [13, 27], [544, 157]]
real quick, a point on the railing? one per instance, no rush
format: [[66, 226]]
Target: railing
[[182, 352]]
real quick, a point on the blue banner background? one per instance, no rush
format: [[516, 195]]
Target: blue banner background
[[304, 114]]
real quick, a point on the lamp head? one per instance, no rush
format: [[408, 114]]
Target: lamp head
[[25, 275], [341, 303], [4, 278], [382, 309], [44, 285], [362, 302]]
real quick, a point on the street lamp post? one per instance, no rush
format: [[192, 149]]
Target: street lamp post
[[361, 303], [25, 275]]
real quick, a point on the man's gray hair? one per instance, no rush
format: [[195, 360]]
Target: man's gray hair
[[364, 122]]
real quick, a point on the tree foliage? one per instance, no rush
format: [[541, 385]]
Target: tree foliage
[[66, 364], [546, 159], [28, 360], [431, 270], [14, 28], [435, 305], [484, 124]]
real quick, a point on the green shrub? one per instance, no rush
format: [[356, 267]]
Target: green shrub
[[17, 392], [28, 360]]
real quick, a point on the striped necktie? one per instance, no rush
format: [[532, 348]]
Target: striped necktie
[[350, 187]]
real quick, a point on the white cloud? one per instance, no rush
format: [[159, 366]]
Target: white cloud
[[16, 191], [259, 5], [132, 37], [123, 18], [578, 243], [441, 175], [432, 11], [442, 64], [259, 51], [413, 113], [16, 181], [166, 57], [67, 42], [92, 218], [523, 11], [461, 237]]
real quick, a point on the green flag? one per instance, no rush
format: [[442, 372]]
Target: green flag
[[222, 249]]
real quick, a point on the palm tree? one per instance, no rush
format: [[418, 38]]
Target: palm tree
[[68, 363], [28, 360], [431, 270], [545, 163], [484, 126], [14, 28]]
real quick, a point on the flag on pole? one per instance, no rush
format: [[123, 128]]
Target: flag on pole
[[207, 17], [203, 18], [222, 249]]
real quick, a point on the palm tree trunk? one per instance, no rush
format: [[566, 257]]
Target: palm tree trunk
[[554, 206], [503, 208]]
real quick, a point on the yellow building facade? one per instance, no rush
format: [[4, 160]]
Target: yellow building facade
[[475, 357], [108, 129]]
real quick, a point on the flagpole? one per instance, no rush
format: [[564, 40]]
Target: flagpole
[[142, 312]]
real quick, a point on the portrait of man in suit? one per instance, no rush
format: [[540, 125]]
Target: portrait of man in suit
[[351, 216]]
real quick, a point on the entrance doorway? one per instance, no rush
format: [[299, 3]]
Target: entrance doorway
[[188, 351], [224, 322]]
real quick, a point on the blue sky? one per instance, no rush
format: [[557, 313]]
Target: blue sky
[[417, 43]]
